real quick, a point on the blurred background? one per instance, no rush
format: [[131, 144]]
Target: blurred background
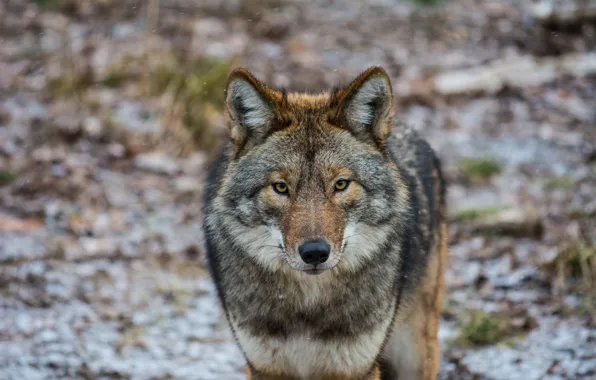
[[111, 110]]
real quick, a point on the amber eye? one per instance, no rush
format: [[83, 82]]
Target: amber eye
[[341, 184], [280, 188]]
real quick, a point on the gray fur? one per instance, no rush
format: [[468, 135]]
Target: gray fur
[[398, 197]]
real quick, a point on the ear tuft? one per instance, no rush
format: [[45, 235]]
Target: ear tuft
[[249, 108], [365, 106], [365, 102]]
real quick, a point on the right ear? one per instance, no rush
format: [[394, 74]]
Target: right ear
[[250, 109], [365, 106]]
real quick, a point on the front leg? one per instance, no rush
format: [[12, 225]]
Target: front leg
[[251, 374], [374, 374]]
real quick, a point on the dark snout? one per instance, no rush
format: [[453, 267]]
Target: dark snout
[[314, 252]]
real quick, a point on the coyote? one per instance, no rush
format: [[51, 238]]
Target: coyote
[[325, 233]]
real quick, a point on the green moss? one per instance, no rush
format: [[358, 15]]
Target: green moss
[[482, 329], [426, 2], [473, 214], [579, 261], [559, 182], [196, 89], [34, 53], [254, 9], [75, 83], [479, 169], [6, 177], [115, 78], [588, 305], [69, 85], [574, 269], [47, 3], [580, 213]]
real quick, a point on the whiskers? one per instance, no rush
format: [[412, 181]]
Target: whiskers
[[359, 247], [271, 246], [262, 238], [344, 241], [261, 243]]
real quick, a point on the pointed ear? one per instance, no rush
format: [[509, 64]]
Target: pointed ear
[[365, 107], [251, 109]]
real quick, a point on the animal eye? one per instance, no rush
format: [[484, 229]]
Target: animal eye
[[341, 184], [280, 188]]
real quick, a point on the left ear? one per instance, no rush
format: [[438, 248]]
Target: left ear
[[365, 106]]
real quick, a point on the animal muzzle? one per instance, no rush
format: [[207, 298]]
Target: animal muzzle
[[314, 252]]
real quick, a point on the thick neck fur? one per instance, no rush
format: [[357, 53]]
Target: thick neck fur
[[337, 303], [308, 141]]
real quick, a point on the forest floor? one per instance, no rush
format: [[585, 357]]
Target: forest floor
[[109, 113]]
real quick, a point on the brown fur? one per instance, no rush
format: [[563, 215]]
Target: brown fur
[[423, 315], [374, 374]]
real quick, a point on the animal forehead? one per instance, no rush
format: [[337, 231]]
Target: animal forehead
[[309, 102], [313, 151], [301, 152]]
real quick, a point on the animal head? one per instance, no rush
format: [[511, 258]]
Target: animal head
[[309, 184]]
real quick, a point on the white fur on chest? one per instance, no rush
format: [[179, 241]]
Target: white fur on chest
[[308, 357]]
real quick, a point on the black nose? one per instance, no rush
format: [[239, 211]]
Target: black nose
[[314, 252]]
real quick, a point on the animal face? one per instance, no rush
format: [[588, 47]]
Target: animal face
[[309, 186]]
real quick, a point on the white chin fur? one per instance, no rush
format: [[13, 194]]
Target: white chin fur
[[262, 243], [359, 243], [265, 245], [302, 266]]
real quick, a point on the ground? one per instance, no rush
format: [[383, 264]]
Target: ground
[[109, 113]]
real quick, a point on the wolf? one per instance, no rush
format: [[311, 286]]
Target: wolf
[[325, 233]]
